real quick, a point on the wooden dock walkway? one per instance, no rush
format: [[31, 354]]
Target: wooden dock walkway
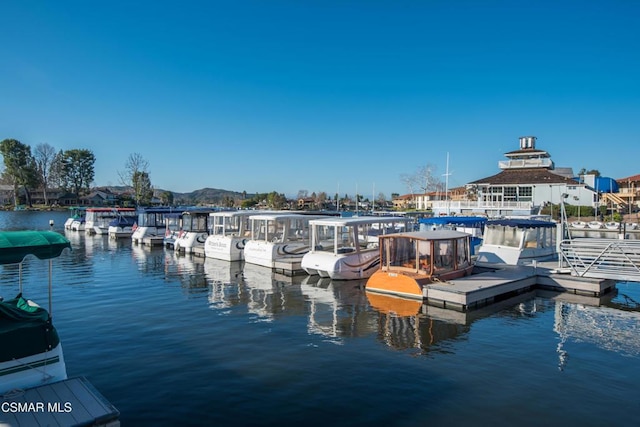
[[71, 402], [488, 287]]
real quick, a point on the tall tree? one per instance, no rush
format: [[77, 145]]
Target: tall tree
[[143, 191], [20, 167], [44, 156], [78, 170], [136, 175]]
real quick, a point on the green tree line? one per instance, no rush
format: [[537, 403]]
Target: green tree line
[[45, 168]]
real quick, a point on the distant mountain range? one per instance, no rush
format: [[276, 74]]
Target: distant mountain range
[[214, 196], [205, 196]]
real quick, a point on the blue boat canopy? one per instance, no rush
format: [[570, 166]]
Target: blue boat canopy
[[522, 223], [15, 245]]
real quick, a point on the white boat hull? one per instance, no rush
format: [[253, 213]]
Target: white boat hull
[[189, 241], [77, 225], [32, 371], [226, 248], [355, 265], [267, 253], [120, 232]]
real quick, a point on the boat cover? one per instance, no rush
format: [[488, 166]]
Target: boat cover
[[25, 330], [15, 245]]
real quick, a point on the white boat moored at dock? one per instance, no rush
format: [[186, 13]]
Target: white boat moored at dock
[[278, 238], [517, 241], [151, 225], [228, 233], [347, 248], [194, 232]]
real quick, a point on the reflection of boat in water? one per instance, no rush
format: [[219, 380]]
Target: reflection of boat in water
[[410, 261], [225, 280], [31, 352], [608, 328], [264, 299], [399, 307], [323, 308]]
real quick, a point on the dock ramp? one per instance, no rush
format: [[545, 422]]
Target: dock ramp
[[617, 259]]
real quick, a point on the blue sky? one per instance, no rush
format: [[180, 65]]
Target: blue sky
[[283, 96]]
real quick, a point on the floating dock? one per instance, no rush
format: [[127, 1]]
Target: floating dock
[[490, 286], [289, 266], [71, 402], [153, 241]]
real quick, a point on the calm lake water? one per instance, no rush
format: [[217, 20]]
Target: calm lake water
[[175, 340]]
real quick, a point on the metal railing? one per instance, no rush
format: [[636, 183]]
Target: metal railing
[[617, 259]]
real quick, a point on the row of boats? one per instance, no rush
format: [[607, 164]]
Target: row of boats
[[397, 254], [598, 225]]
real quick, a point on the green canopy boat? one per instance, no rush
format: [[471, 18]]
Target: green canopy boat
[[30, 349]]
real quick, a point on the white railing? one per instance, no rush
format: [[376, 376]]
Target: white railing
[[525, 163], [602, 258], [479, 204]]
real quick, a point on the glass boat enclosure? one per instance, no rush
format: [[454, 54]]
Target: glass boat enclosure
[[280, 228], [425, 252], [345, 235]]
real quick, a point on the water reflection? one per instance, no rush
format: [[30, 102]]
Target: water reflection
[[612, 329], [336, 310]]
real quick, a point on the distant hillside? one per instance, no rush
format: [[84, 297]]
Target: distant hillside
[[213, 196], [205, 196]]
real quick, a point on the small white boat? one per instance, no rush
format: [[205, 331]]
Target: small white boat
[[278, 237], [347, 248], [77, 215], [97, 220], [612, 225], [151, 223], [229, 232], [594, 225], [517, 242], [579, 224], [123, 225], [31, 352], [632, 226], [194, 231]]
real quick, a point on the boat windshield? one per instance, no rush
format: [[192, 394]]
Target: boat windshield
[[503, 235]]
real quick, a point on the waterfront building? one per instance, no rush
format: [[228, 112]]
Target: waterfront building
[[527, 181]]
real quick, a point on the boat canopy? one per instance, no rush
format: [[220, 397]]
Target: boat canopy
[[15, 245], [522, 223]]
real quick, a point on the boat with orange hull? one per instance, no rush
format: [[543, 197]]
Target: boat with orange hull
[[410, 261]]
